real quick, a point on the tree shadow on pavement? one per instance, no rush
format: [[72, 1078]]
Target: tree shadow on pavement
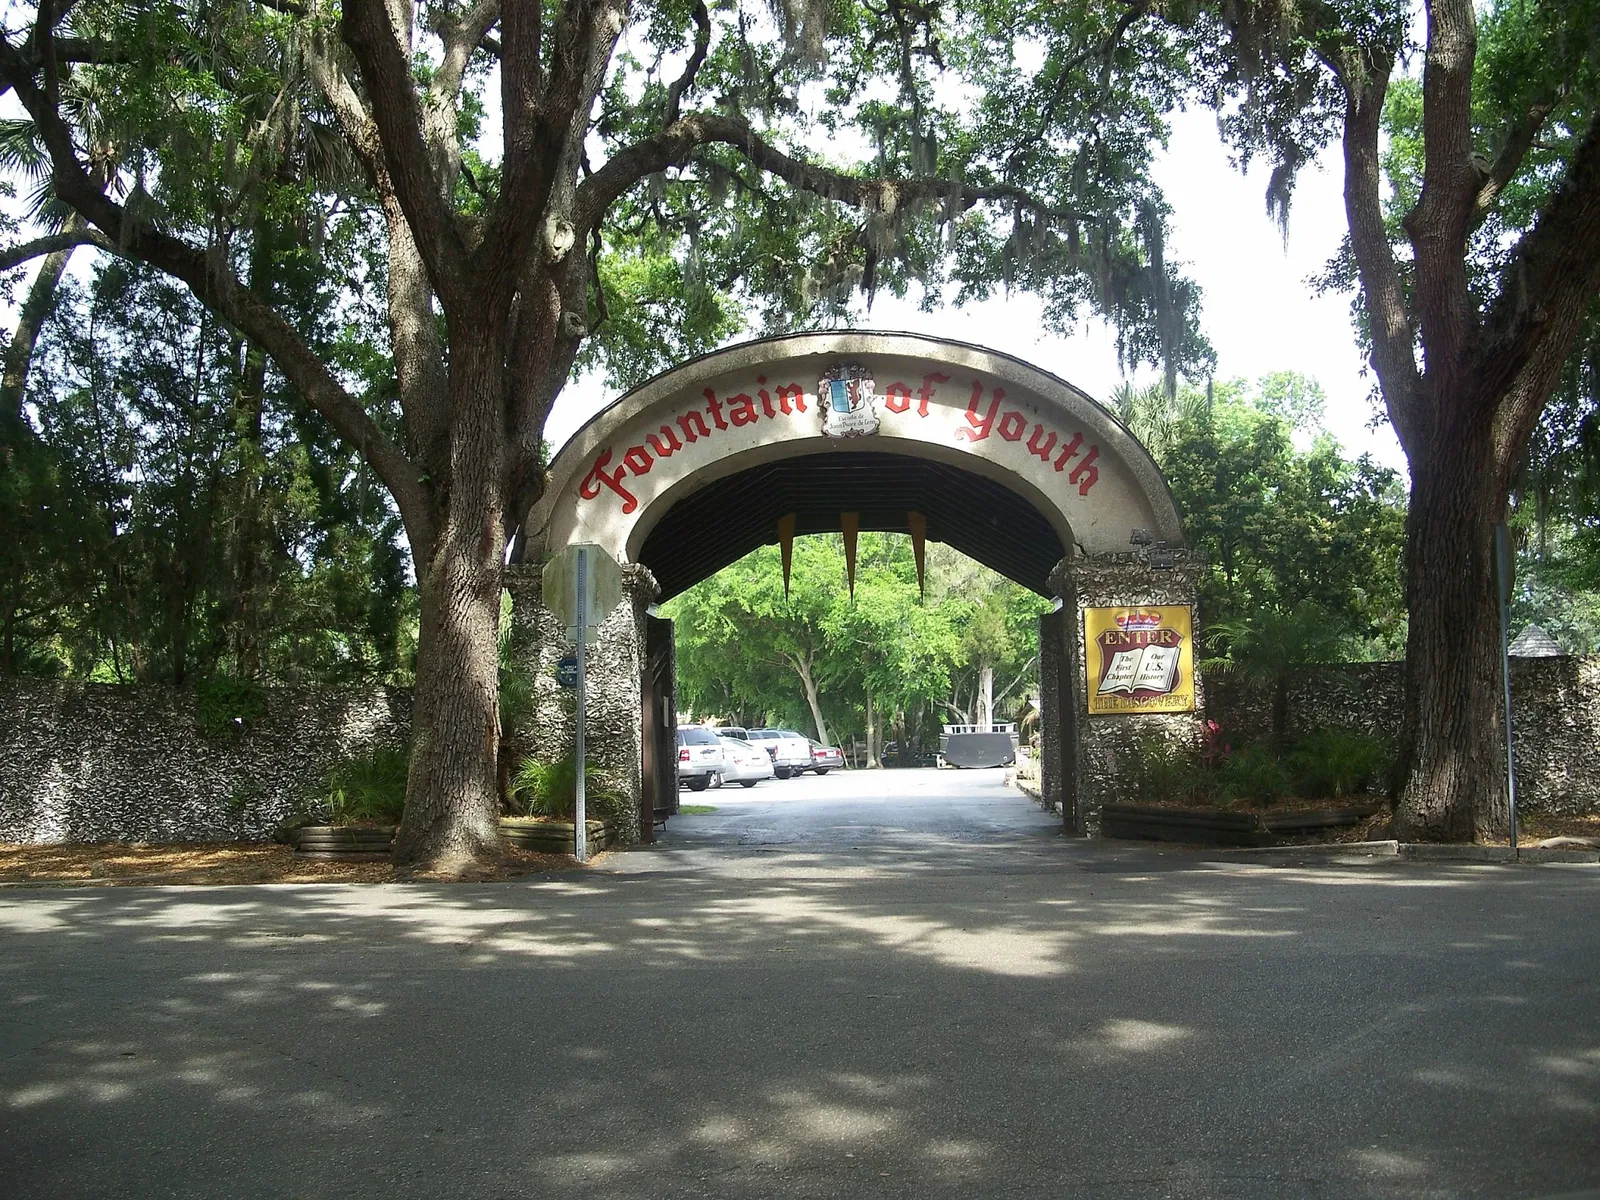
[[1065, 1021]]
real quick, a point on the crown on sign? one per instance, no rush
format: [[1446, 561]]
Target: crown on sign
[[1138, 620]]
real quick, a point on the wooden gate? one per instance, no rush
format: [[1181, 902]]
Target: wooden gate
[[658, 791]]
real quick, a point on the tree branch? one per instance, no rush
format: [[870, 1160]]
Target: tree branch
[[1393, 337], [355, 122], [461, 40], [1519, 139], [1440, 223], [534, 222], [51, 244], [673, 147], [395, 112], [684, 82], [1109, 43], [521, 81], [1546, 289], [30, 319]]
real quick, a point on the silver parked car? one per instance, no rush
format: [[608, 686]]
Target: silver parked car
[[791, 753], [744, 764], [700, 757]]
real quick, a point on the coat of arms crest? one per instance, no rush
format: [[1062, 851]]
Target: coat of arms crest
[[846, 402]]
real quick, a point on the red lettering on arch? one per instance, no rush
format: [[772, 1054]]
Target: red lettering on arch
[[980, 426], [1068, 449], [638, 461], [742, 410], [670, 447], [897, 397], [1038, 447], [589, 489], [690, 421], [1012, 425], [1086, 471]]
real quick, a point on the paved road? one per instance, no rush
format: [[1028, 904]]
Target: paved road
[[750, 1009]]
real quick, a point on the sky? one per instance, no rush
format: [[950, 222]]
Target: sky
[[1259, 308]]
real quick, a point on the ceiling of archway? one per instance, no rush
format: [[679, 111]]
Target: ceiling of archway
[[725, 520]]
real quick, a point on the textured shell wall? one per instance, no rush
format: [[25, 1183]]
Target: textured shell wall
[[1555, 713], [84, 762], [612, 720], [1107, 747]]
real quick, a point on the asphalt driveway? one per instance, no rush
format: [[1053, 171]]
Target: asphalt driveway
[[892, 1000]]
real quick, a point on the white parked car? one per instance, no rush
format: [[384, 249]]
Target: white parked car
[[744, 764], [700, 757], [791, 753]]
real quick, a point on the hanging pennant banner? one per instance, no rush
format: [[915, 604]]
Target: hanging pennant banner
[[850, 525]]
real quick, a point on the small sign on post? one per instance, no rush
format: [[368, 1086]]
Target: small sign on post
[[581, 585], [602, 588], [567, 671]]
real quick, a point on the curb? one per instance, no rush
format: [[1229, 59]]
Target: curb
[[1418, 852], [1315, 850], [1455, 852]]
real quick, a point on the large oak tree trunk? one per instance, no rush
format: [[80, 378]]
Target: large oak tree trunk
[[452, 793], [1452, 766]]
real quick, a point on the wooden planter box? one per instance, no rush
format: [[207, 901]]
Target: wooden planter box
[[554, 837], [1221, 828], [343, 841]]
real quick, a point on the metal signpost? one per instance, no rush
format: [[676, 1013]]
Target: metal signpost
[[580, 824], [581, 585], [1504, 562]]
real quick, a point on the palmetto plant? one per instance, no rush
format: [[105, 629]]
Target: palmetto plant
[[368, 787], [1265, 648]]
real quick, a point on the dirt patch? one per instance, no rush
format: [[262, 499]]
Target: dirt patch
[[112, 864], [1534, 827]]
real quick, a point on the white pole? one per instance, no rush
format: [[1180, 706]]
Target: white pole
[[580, 832]]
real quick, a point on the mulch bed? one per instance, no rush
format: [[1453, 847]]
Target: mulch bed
[[114, 864], [1531, 827]]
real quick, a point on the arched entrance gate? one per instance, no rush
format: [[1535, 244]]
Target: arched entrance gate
[[1006, 463]]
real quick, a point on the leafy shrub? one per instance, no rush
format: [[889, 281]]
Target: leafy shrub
[[1255, 773], [225, 707], [550, 789], [368, 787], [1338, 762], [1162, 770], [516, 699]]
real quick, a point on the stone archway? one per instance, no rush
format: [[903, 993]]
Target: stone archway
[[1005, 462]]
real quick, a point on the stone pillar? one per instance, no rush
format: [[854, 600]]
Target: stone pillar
[[612, 747], [1102, 747], [1057, 736]]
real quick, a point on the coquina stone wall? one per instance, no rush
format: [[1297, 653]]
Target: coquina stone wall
[[86, 762], [1105, 743], [613, 718], [1555, 714]]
